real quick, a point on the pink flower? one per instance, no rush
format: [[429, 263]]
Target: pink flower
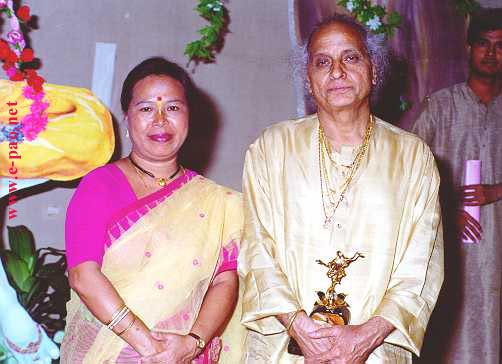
[[16, 37], [30, 93], [38, 107], [32, 125], [3, 4], [14, 23], [11, 71]]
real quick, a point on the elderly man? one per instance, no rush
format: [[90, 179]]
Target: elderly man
[[345, 196], [460, 123]]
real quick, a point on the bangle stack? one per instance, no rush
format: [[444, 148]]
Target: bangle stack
[[118, 316], [128, 326], [292, 319]]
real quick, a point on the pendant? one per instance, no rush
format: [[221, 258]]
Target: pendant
[[327, 223], [161, 182]]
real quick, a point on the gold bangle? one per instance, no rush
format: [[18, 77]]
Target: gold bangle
[[123, 313], [128, 326], [292, 319], [116, 314]]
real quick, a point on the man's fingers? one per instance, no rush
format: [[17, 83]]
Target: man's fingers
[[321, 333]]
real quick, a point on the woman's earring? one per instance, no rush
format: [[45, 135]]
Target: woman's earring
[[127, 133]]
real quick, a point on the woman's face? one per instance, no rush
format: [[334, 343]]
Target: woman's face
[[339, 69], [158, 118]]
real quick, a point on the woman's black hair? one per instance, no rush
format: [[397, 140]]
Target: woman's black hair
[[157, 66]]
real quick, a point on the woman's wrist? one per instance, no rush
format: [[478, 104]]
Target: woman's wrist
[[194, 346]]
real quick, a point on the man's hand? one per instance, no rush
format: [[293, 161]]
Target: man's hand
[[300, 330], [479, 195], [352, 343], [468, 227], [176, 349]]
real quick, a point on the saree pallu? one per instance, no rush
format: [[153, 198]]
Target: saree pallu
[[165, 251]]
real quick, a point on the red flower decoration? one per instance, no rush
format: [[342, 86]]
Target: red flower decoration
[[7, 65], [23, 13], [17, 77], [36, 82], [4, 49], [11, 56], [27, 55]]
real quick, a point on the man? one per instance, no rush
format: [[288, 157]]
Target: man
[[464, 122], [340, 196]]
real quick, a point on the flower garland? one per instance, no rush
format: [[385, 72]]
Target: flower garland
[[16, 60], [211, 35], [375, 17]]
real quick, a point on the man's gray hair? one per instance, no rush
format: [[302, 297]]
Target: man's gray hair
[[375, 45]]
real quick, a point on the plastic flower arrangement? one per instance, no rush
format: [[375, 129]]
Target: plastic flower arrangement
[[204, 49], [18, 65], [375, 17]]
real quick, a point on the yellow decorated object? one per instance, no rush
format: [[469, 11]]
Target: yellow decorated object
[[78, 137]]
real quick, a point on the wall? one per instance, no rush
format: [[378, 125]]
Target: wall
[[247, 89]]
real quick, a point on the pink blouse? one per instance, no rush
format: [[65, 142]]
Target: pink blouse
[[100, 197]]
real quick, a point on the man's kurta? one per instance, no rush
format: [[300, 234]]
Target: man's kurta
[[390, 214], [458, 127]]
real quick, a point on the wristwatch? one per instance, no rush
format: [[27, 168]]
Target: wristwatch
[[201, 344]]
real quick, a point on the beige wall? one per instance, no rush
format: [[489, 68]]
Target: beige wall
[[249, 86]]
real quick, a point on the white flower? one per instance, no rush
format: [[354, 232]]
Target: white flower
[[350, 6], [58, 337], [374, 23], [210, 6]]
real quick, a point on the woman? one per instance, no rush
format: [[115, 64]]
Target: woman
[[151, 245], [343, 195]]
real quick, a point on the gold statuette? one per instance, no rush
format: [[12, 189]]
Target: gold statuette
[[330, 307]]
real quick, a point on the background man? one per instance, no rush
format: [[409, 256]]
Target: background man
[[460, 123]]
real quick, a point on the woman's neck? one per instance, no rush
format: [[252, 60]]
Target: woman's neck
[[345, 127], [158, 168]]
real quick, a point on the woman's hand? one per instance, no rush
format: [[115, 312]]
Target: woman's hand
[[172, 349]]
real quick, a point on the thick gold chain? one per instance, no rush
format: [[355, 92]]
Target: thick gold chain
[[328, 194]]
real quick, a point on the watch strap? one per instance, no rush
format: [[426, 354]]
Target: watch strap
[[201, 344]]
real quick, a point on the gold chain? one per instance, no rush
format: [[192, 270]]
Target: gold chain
[[140, 176], [328, 193]]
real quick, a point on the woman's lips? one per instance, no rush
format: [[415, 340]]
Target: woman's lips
[[160, 138]]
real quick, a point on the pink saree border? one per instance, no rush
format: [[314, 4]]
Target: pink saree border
[[126, 217]]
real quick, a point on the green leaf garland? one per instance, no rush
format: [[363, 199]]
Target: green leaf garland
[[375, 17], [204, 49]]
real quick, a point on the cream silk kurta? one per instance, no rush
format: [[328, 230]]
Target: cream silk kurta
[[390, 214]]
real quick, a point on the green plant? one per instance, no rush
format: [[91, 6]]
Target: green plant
[[466, 7], [374, 17], [204, 49], [38, 276]]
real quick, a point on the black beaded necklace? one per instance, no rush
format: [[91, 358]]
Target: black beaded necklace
[[161, 181]]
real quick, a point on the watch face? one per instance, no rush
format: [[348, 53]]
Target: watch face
[[201, 344]]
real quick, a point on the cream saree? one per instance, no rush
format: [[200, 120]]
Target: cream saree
[[165, 251]]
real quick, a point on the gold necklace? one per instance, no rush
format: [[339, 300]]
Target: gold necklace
[[161, 181], [329, 194]]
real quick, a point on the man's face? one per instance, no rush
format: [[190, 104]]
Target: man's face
[[486, 54]]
